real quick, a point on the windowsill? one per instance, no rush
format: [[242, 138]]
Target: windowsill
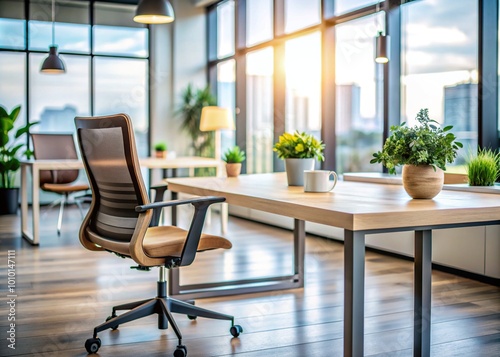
[[382, 178]]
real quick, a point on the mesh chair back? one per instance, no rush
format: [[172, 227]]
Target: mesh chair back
[[55, 147], [109, 154]]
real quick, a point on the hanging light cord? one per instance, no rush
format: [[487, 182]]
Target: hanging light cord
[[53, 23]]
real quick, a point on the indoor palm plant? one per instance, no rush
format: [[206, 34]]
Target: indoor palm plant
[[10, 151], [423, 150], [233, 157], [299, 150]]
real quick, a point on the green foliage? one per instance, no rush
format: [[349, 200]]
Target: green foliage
[[161, 146], [234, 155], [193, 100], [9, 151], [299, 146], [484, 168], [424, 144]]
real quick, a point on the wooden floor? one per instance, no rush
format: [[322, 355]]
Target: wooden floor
[[63, 291]]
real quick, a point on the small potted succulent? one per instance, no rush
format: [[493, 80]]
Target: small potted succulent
[[161, 150], [233, 157], [299, 150], [423, 150], [483, 169]]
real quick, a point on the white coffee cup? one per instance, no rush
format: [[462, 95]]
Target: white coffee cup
[[319, 180]]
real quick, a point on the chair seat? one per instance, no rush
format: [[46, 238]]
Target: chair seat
[[64, 187], [168, 241]]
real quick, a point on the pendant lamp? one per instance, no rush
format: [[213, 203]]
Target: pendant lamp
[[381, 43], [382, 48], [154, 12], [53, 64]]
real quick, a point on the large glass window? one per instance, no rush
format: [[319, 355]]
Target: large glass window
[[259, 115], [225, 29], [12, 34], [127, 41], [68, 37], [303, 84], [300, 14], [12, 83], [440, 46], [259, 21], [226, 92], [121, 86], [55, 100], [359, 91], [343, 6]]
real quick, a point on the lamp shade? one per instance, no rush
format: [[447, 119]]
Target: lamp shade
[[382, 48], [154, 12], [216, 118], [53, 64]]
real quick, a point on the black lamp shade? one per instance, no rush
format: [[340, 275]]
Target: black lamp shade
[[53, 64], [154, 12], [382, 48]]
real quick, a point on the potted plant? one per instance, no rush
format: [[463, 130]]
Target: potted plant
[[161, 150], [233, 157], [423, 150], [483, 169], [10, 150], [299, 150]]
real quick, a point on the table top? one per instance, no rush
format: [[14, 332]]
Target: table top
[[351, 205], [148, 162]]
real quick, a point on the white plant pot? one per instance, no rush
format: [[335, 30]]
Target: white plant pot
[[295, 170]]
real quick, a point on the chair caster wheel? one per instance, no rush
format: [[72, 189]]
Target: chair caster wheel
[[236, 330], [112, 327], [180, 351], [92, 345], [192, 317]]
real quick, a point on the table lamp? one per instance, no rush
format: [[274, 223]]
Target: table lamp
[[215, 119]]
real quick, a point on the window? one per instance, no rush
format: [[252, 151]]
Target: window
[[259, 21], [225, 29], [300, 14], [343, 6], [440, 46], [259, 99], [359, 90], [303, 84], [226, 97], [120, 81]]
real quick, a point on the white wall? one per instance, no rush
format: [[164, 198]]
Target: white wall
[[178, 57]]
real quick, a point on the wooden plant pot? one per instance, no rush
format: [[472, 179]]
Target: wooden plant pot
[[161, 154], [422, 181], [233, 170]]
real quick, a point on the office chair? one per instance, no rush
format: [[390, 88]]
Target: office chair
[[121, 220], [62, 182]]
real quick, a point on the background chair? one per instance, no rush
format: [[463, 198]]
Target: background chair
[[120, 221], [62, 182]]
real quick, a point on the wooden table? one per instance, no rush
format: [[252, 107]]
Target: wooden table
[[35, 166], [360, 209]]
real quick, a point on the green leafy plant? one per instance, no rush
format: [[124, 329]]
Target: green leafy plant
[[423, 144], [483, 169], [299, 146], [10, 150], [193, 100], [234, 155], [161, 146]]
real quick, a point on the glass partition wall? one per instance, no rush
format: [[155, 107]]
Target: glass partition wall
[[310, 66]]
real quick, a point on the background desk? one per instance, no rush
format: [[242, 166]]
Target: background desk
[[360, 209], [35, 166]]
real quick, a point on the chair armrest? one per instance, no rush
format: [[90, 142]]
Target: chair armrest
[[198, 201], [159, 196]]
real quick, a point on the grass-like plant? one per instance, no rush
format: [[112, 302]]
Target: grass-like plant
[[423, 144], [483, 169], [234, 155], [299, 146]]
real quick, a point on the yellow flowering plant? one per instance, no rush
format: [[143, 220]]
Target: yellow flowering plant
[[299, 146]]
